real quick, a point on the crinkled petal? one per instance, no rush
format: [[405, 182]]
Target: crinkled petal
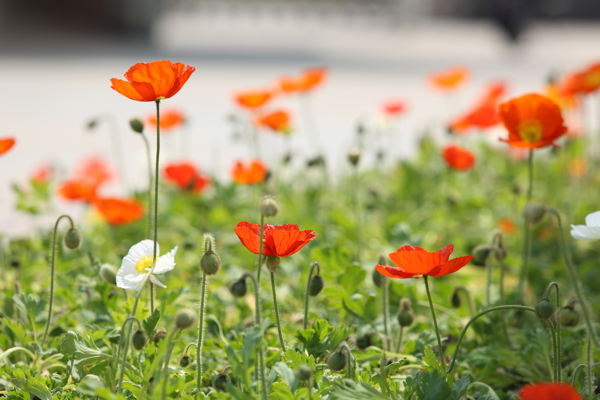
[[451, 266], [395, 272], [155, 280], [248, 235], [593, 219], [583, 232], [165, 263], [138, 91]]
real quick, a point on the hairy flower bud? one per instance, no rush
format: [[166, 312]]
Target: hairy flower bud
[[304, 372], [568, 316], [159, 335], [73, 238], [480, 254], [544, 309], [136, 125], [184, 361], [534, 212], [405, 315], [336, 361], [210, 263], [238, 288], [377, 278], [139, 339], [455, 300], [316, 285], [354, 156], [15, 263], [108, 273], [185, 318], [269, 207], [219, 381]]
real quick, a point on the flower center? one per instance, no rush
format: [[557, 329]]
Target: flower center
[[530, 131], [143, 263]]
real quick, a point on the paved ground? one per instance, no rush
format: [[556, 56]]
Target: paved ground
[[52, 84]]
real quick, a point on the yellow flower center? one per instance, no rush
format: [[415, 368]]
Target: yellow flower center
[[143, 263], [530, 131]]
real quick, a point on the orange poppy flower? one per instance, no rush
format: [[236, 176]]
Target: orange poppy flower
[[78, 190], [6, 144], [252, 173], [169, 119], [450, 79], [484, 114], [153, 81], [507, 226], [119, 211], [393, 107], [278, 121], [310, 78], [253, 99], [549, 391], [458, 158], [414, 262], [186, 176], [279, 240], [88, 177], [582, 82], [532, 121]]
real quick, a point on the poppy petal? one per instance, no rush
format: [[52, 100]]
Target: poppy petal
[[394, 272], [248, 235], [451, 266]]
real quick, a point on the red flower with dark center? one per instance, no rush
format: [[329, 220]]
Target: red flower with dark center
[[119, 211], [169, 119], [458, 158], [414, 262], [549, 391], [252, 173], [153, 81], [6, 144], [186, 176], [278, 121], [278, 240], [253, 99]]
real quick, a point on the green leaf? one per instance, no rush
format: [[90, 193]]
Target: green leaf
[[238, 394], [433, 386], [17, 330], [460, 387], [80, 352], [352, 278], [33, 386], [350, 390], [287, 374], [150, 323], [431, 360]]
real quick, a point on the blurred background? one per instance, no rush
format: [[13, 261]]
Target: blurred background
[[56, 59]]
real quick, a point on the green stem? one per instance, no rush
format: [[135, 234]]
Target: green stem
[[201, 333], [554, 364], [437, 331], [488, 275], [557, 349], [526, 229], [349, 371], [165, 372], [575, 372], [358, 223], [310, 387], [386, 311], [574, 278], [149, 195], [257, 323], [310, 275], [126, 338], [151, 297], [399, 344], [530, 166], [52, 263], [281, 342], [590, 364]]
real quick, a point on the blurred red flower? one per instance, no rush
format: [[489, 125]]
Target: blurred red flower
[[78, 190], [278, 121], [169, 119], [153, 81], [414, 262], [119, 211], [252, 173], [6, 144], [507, 226], [458, 158], [582, 82], [43, 174], [450, 79], [532, 121], [484, 114], [279, 240], [549, 391], [186, 176], [394, 107], [308, 80], [253, 99], [86, 180]]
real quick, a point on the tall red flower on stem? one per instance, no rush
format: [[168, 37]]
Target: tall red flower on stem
[[186, 176], [278, 121], [117, 211], [153, 81], [278, 240], [414, 262], [6, 144], [532, 121], [458, 158], [253, 99], [549, 391]]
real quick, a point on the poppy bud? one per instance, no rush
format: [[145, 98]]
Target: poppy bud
[[185, 318], [364, 341], [316, 285], [73, 238], [219, 381], [377, 278], [336, 361], [238, 288], [544, 309], [269, 207], [108, 273], [480, 254], [15, 263], [136, 125], [354, 156], [139, 339], [273, 263], [405, 315], [568, 316], [159, 335], [304, 372], [185, 361], [534, 212], [92, 124], [210, 263], [455, 300]]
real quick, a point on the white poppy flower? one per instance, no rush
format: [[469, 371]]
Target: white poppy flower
[[589, 231], [137, 264]]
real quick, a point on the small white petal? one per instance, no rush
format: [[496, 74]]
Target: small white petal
[[165, 263], [593, 219], [582, 232], [131, 282], [155, 280]]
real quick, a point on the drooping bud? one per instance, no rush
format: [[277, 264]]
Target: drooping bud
[[238, 288], [136, 125], [185, 318], [210, 263], [455, 300], [316, 285], [159, 335], [219, 381], [405, 315], [185, 361], [108, 273], [73, 238], [354, 156], [364, 341], [269, 207], [304, 372], [534, 212], [377, 278], [139, 339], [544, 309], [480, 254], [568, 316], [336, 361], [273, 263]]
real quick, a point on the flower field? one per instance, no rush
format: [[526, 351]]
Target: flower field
[[467, 271]]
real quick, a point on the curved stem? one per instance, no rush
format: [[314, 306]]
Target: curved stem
[[575, 371], [185, 350], [461, 288], [310, 275], [200, 334], [437, 331], [349, 372], [557, 349], [257, 319], [281, 342], [52, 263]]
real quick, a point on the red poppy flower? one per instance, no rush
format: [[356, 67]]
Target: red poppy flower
[[253, 99], [42, 174], [582, 82], [532, 121], [186, 176], [310, 79], [484, 114], [119, 211], [78, 190], [278, 240], [88, 177], [169, 119], [153, 81], [278, 121], [450, 79], [458, 158], [252, 173], [393, 107], [414, 262], [549, 391], [6, 144]]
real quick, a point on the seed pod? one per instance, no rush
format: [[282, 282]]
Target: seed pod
[[185, 361], [336, 361], [108, 273], [269, 207], [304, 372], [210, 263], [316, 285], [544, 309], [159, 335], [273, 263], [185, 318], [73, 238], [136, 125], [238, 288], [139, 339], [568, 316], [533, 212], [219, 381]]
